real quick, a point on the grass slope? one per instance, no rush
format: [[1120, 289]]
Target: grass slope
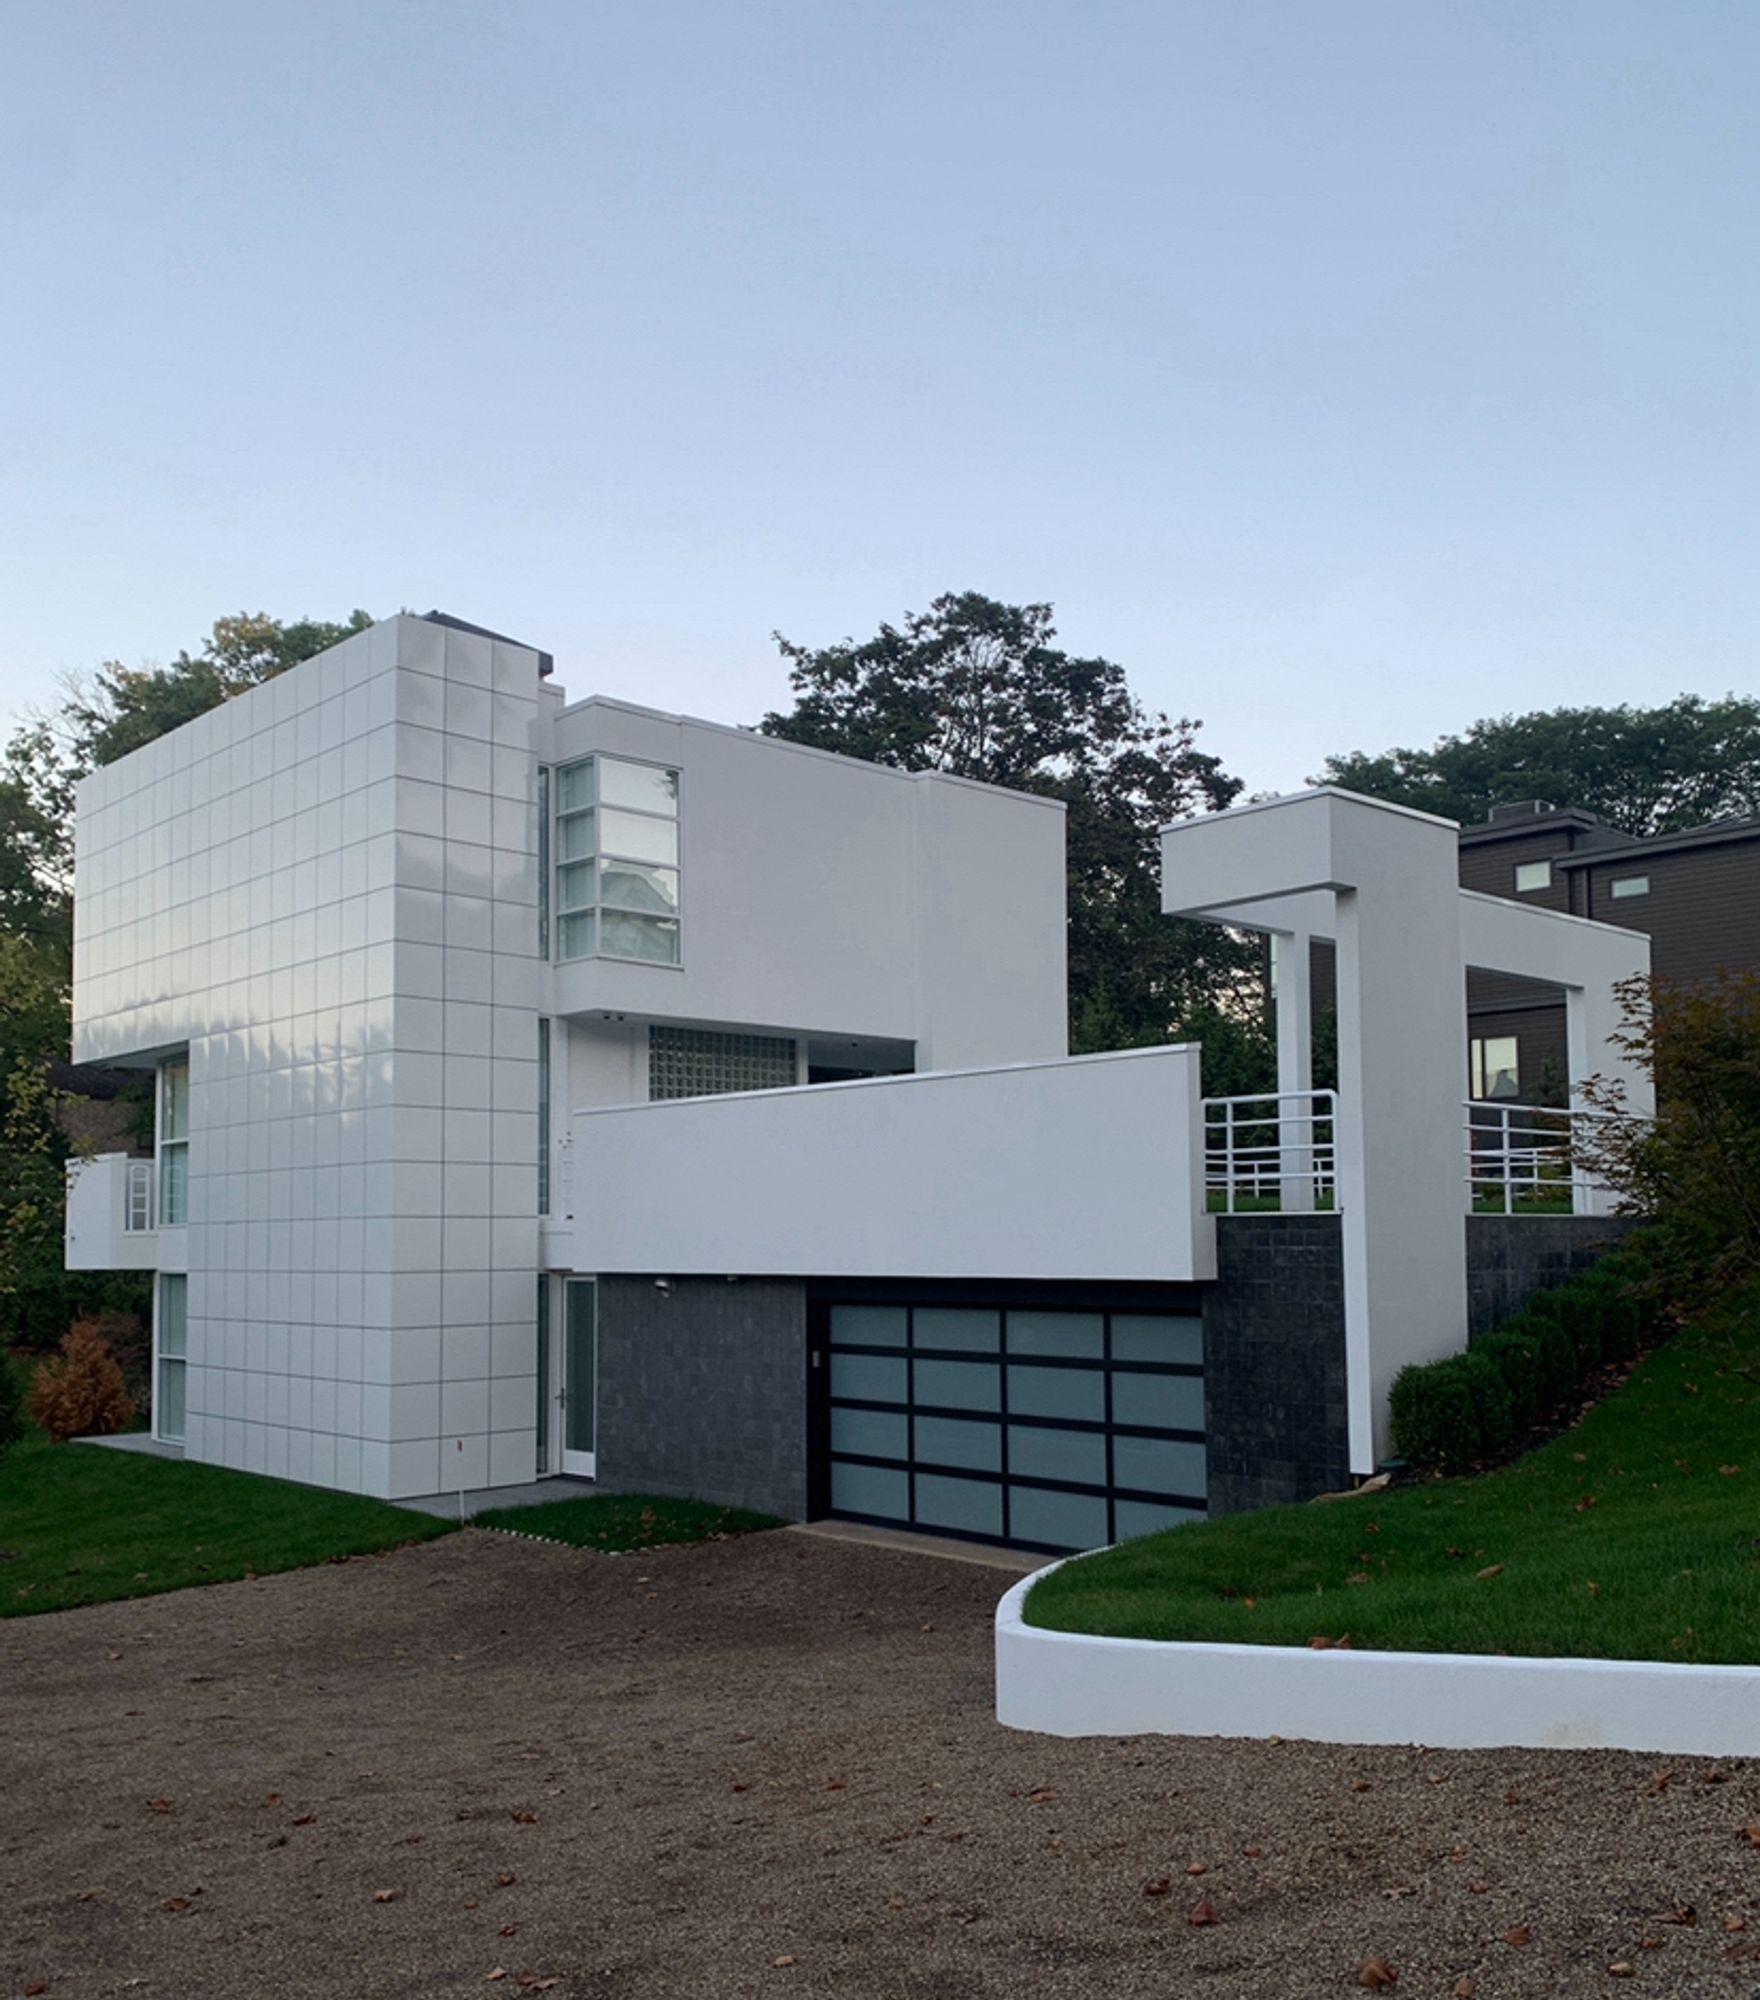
[[612, 1521], [80, 1525], [1634, 1536]]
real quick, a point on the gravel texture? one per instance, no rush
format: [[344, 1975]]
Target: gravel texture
[[769, 1767]]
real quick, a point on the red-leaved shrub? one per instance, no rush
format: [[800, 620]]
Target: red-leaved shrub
[[80, 1392]]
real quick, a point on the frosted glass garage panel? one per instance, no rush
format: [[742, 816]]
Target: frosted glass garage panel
[[969, 1506], [1172, 1402], [958, 1385], [1164, 1337], [870, 1378], [1038, 1452], [1060, 1520], [963, 1441], [867, 1326], [1076, 1393], [871, 1433], [943, 1326], [1081, 1336], [1158, 1465], [1140, 1517], [870, 1489]]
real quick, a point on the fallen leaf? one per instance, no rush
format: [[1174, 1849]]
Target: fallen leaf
[[1490, 1569], [1735, 1923], [1729, 1471], [386, 1895], [1621, 1968], [524, 1818], [1464, 1988], [1197, 1868], [787, 1958], [1252, 1853], [1649, 1944], [1751, 1834], [499, 1972], [1042, 1797], [1678, 1913], [173, 1905], [1375, 1972], [1660, 1782], [1159, 1886], [1520, 1936], [160, 1805], [1477, 1888], [1203, 1915], [1360, 1785], [305, 1819], [505, 1881], [533, 1984], [506, 1930]]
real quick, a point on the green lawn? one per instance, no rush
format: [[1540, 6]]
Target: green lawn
[[80, 1525], [611, 1521], [1634, 1536]]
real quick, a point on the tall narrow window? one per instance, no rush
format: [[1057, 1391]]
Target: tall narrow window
[[543, 1116], [543, 861], [173, 1144], [171, 1350], [617, 873], [543, 1460]]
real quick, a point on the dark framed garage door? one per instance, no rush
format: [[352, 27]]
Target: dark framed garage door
[[1050, 1426]]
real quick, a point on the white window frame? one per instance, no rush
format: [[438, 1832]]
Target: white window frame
[[562, 912], [1539, 874], [163, 1360], [166, 1148]]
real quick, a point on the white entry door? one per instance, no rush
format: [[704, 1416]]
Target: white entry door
[[578, 1391]]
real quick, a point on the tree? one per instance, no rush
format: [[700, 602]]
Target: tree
[[1645, 770], [1695, 1168], [978, 689]]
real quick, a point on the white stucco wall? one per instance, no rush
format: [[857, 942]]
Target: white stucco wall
[[326, 889], [1086, 1168], [823, 896]]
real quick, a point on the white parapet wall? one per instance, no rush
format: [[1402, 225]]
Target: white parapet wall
[[1076, 1684], [1086, 1168]]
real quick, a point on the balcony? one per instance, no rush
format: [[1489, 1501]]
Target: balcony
[[1086, 1169], [111, 1225]]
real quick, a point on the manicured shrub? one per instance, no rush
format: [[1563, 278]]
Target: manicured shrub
[[1515, 1352], [80, 1392], [1433, 1414], [1583, 1315], [1492, 1403]]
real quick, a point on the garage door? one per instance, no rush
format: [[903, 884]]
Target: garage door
[[1052, 1429]]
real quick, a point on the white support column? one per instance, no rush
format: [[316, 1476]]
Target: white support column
[[1292, 997]]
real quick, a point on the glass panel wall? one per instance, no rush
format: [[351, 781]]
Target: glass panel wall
[[617, 872], [173, 1144], [171, 1350]]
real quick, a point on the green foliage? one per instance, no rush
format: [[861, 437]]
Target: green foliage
[[1517, 1375], [1646, 770], [977, 688], [12, 1423], [1695, 1168], [611, 1521], [1435, 1413], [1630, 1537]]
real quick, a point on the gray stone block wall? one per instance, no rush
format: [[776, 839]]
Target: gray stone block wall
[[703, 1390], [1274, 1362], [1511, 1257]]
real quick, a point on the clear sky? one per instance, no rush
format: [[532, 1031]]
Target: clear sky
[[1348, 369]]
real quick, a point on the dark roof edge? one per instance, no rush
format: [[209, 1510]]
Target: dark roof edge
[[546, 661], [1504, 829], [1713, 835]]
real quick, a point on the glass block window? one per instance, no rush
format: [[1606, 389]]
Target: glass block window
[[171, 1358], [702, 1062], [173, 1145], [617, 875]]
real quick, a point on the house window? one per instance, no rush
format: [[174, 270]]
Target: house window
[[1629, 885], [173, 1144], [1494, 1065], [1533, 875], [170, 1358], [702, 1062], [617, 878], [543, 861], [543, 1116]]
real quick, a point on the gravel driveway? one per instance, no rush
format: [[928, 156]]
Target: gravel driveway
[[769, 1767]]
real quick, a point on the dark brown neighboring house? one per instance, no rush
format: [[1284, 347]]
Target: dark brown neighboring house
[[1695, 894]]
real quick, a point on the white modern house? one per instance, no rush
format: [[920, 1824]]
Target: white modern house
[[553, 1087]]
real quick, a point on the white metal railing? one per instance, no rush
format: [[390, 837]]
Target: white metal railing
[[1522, 1159], [1274, 1151], [137, 1198]]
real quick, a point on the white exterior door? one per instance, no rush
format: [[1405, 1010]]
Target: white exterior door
[[578, 1377]]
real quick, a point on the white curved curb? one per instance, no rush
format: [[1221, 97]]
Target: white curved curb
[[1074, 1684]]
